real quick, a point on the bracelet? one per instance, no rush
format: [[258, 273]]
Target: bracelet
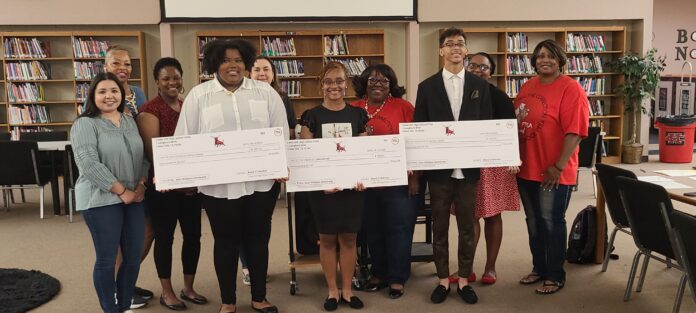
[[558, 168], [122, 192]]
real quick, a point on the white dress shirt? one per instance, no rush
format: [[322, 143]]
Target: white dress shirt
[[210, 107], [454, 85]]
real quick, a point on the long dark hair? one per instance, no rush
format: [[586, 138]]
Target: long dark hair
[[91, 109], [360, 82]]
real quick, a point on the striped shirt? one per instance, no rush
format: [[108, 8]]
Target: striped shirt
[[104, 154], [209, 108]]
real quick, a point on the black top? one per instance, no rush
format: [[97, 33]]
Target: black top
[[325, 123], [502, 105], [289, 110]]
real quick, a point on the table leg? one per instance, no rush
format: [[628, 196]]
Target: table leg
[[601, 223], [66, 182], [54, 185]]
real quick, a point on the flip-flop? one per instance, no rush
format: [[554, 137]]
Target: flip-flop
[[549, 283], [531, 278]]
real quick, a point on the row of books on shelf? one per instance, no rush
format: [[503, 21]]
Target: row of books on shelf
[[25, 92], [87, 70], [585, 43], [593, 86], [517, 42], [278, 47], [33, 70], [28, 114], [81, 92], [336, 45], [202, 41], [289, 68], [513, 85], [293, 88], [16, 132], [519, 65], [354, 66], [19, 47], [89, 48], [596, 107], [585, 64]]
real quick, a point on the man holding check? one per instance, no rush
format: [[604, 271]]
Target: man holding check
[[453, 94]]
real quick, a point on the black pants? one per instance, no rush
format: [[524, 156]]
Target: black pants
[[246, 219], [165, 210]]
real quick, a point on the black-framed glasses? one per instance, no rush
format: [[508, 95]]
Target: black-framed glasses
[[451, 44], [378, 81], [329, 82], [473, 66]]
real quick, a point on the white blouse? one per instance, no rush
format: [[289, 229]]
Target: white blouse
[[209, 107]]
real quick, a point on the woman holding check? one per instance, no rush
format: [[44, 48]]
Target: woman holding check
[[238, 212], [337, 213]]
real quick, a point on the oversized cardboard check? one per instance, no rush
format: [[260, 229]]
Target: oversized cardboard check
[[328, 163], [461, 144], [219, 158]]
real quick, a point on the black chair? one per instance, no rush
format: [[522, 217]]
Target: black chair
[[683, 232], [607, 175], [645, 203], [72, 173], [21, 159], [588, 155]]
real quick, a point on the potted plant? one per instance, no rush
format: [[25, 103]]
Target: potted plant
[[641, 77]]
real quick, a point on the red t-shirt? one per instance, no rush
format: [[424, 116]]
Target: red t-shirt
[[545, 114], [386, 122], [166, 115]]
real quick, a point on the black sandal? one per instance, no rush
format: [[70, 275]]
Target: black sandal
[[549, 283], [531, 278]]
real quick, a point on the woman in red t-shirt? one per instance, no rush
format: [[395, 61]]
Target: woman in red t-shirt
[[553, 116], [390, 212], [158, 118]]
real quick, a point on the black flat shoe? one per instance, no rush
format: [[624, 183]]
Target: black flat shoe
[[143, 293], [196, 300], [467, 294], [439, 294], [331, 304], [175, 307], [268, 309], [354, 302], [396, 293], [372, 287]]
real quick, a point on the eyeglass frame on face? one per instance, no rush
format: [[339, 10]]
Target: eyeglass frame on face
[[452, 44], [472, 66], [374, 80], [337, 82]]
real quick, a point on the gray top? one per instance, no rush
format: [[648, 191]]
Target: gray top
[[105, 153]]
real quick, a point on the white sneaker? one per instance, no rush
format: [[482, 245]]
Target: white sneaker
[[137, 302]]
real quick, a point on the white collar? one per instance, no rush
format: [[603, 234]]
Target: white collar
[[218, 87], [448, 75]]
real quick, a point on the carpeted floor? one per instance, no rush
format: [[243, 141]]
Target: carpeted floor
[[65, 251]]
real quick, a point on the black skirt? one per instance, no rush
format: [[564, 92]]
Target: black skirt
[[337, 213]]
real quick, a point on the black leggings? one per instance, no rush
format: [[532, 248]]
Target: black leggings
[[166, 208], [232, 221]]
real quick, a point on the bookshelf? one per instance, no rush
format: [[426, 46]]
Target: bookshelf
[[41, 73], [588, 57], [299, 56]]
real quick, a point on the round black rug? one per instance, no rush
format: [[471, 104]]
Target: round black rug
[[22, 290]]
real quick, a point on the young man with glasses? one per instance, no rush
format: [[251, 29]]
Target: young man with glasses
[[453, 94]]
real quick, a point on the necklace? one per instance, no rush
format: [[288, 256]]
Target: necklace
[[370, 116], [130, 102]]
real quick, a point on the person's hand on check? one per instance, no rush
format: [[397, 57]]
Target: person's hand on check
[[513, 169], [359, 186], [283, 179], [332, 191]]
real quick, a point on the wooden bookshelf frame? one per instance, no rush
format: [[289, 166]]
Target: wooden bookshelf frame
[[493, 40], [61, 96], [363, 43]]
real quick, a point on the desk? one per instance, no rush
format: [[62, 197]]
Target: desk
[[52, 147]]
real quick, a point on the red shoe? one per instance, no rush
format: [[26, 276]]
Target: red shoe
[[472, 277], [489, 278], [454, 279]]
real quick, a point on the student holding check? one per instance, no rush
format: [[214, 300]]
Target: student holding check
[[238, 212]]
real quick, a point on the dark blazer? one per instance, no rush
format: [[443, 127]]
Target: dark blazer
[[432, 105]]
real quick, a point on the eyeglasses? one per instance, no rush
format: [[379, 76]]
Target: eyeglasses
[[473, 66], [329, 82], [451, 44], [375, 81]]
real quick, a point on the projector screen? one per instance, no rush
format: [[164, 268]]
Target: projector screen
[[286, 10]]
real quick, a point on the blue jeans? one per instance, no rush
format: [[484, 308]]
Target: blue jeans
[[546, 224], [390, 216], [112, 226]]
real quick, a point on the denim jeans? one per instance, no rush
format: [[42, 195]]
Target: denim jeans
[[546, 224], [112, 226], [390, 216]]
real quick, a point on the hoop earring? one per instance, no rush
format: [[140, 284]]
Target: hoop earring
[[183, 90]]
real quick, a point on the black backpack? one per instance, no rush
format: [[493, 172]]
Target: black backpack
[[583, 235]]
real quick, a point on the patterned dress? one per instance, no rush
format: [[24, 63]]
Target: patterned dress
[[496, 192]]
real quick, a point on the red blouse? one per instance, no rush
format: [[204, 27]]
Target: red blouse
[[387, 120], [166, 115]]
